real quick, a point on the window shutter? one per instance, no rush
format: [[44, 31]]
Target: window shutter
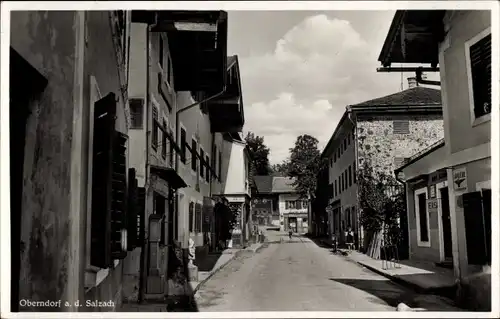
[[183, 145], [119, 198], [104, 133], [198, 217], [474, 228], [480, 60], [401, 127], [207, 168], [191, 216], [141, 214], [133, 223], [202, 163]]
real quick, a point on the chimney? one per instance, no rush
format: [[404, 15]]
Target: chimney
[[412, 82]]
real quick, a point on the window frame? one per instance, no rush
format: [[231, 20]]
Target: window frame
[[183, 146], [194, 156], [468, 44], [133, 115], [400, 121], [418, 192]]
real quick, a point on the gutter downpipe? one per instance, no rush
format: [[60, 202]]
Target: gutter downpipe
[[355, 140], [419, 79], [142, 258], [177, 129]]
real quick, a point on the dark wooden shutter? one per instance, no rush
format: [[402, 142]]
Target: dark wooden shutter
[[183, 145], [202, 163], [480, 60], [141, 214], [207, 168], [191, 216], [133, 209], [119, 198], [104, 135], [487, 222], [474, 228]]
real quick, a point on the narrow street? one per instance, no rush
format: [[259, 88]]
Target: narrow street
[[297, 275]]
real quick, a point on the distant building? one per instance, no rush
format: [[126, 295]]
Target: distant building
[[383, 132], [278, 203]]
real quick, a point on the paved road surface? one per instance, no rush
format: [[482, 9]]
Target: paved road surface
[[297, 276]]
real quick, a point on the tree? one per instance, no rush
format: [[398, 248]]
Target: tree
[[259, 152], [305, 164], [281, 169]]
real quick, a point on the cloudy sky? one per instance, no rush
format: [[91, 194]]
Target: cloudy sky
[[300, 69]]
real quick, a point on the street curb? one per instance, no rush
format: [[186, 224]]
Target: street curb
[[213, 272], [396, 279]]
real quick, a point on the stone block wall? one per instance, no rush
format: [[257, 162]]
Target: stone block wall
[[377, 142]]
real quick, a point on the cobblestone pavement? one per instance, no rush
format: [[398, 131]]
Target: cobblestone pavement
[[298, 275]]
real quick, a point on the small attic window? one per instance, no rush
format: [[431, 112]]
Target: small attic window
[[401, 127]]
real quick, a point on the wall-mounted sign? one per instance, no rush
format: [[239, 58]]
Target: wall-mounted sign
[[432, 191], [432, 205], [460, 179]]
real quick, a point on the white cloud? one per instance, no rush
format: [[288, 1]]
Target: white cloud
[[317, 68]]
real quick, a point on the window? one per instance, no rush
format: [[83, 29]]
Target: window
[[354, 173], [220, 165], [335, 157], [341, 183], [399, 161], [345, 179], [207, 168], [290, 204], [183, 145], [191, 217], [422, 217], [164, 141], [194, 155], [339, 153], [350, 176], [160, 54], [172, 149], [345, 145], [401, 127], [154, 139], [202, 163], [335, 189], [478, 55], [136, 113], [198, 218], [214, 161], [331, 162]]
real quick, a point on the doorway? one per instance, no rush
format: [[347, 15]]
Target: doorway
[[445, 218]]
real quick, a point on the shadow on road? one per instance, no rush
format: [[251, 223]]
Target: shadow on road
[[208, 262], [384, 292]]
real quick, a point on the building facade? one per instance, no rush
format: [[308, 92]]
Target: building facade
[[69, 124], [383, 133], [461, 45]]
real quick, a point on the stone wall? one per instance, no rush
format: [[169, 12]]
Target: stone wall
[[378, 144]]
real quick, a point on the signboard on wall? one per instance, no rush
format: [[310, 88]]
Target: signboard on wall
[[432, 205], [460, 179]]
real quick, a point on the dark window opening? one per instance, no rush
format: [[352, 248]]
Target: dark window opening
[[422, 213], [183, 145], [202, 163], [136, 113], [194, 155], [207, 168], [164, 141], [350, 176]]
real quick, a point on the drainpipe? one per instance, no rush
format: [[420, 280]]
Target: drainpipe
[[146, 175], [177, 120], [418, 74]]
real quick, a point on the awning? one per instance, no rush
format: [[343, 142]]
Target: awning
[[169, 175], [413, 37]]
